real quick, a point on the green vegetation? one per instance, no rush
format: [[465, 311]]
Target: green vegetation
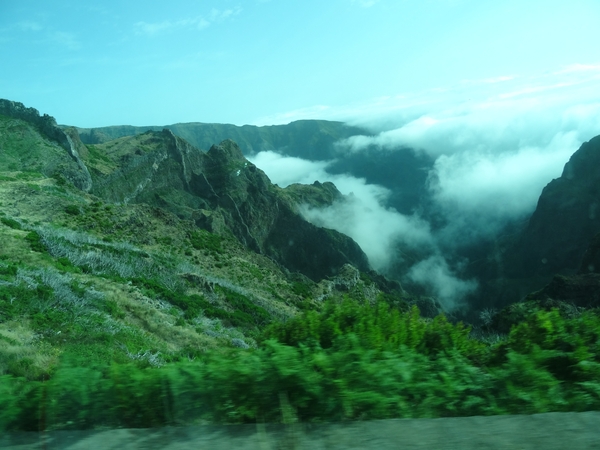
[[123, 314], [204, 240], [353, 362], [72, 210], [35, 241], [10, 223]]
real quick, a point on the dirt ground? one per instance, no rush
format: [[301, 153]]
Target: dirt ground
[[551, 431]]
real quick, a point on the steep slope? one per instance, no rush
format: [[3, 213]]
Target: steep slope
[[401, 170], [558, 239], [28, 138], [107, 276], [222, 192], [591, 258], [567, 217]]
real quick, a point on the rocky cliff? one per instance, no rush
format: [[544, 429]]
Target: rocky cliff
[[223, 192], [566, 219]]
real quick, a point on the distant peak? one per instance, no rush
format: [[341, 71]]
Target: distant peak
[[227, 149]]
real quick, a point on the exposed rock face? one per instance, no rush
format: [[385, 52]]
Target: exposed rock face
[[570, 294], [223, 192], [68, 139], [580, 290], [591, 258], [567, 217]]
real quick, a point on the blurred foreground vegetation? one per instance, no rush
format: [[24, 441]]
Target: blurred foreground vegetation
[[351, 361]]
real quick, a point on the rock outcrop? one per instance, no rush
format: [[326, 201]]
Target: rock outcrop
[[223, 192], [567, 217]]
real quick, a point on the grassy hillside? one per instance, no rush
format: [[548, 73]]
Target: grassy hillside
[[98, 281]]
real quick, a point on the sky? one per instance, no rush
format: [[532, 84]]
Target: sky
[[499, 92], [262, 62]]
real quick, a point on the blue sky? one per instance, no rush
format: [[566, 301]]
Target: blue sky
[[271, 61]]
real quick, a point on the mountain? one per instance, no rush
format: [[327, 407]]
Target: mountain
[[145, 282], [403, 171], [147, 249], [555, 253], [223, 192], [565, 220]]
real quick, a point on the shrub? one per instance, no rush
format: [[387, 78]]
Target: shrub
[[378, 327], [35, 242], [204, 240], [72, 210], [10, 223]]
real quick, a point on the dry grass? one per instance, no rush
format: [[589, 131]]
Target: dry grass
[[22, 353]]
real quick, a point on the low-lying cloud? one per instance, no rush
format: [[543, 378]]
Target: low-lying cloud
[[496, 143], [382, 232], [362, 214], [435, 273]]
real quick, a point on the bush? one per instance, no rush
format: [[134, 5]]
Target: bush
[[378, 327], [353, 362], [35, 242], [72, 210], [10, 223], [204, 240]]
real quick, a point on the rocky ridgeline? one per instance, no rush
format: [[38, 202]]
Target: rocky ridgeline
[[221, 191]]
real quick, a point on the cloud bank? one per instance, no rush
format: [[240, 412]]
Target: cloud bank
[[362, 215], [384, 234], [496, 143]]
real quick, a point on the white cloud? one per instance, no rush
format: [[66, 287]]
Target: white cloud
[[199, 22], [496, 142], [362, 215], [496, 149], [285, 170], [448, 289], [499, 184]]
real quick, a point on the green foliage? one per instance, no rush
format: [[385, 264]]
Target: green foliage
[[421, 371], [301, 289], [35, 242], [65, 265], [245, 311], [10, 269], [10, 223], [73, 210], [558, 354], [112, 308], [60, 179], [378, 327], [204, 240]]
